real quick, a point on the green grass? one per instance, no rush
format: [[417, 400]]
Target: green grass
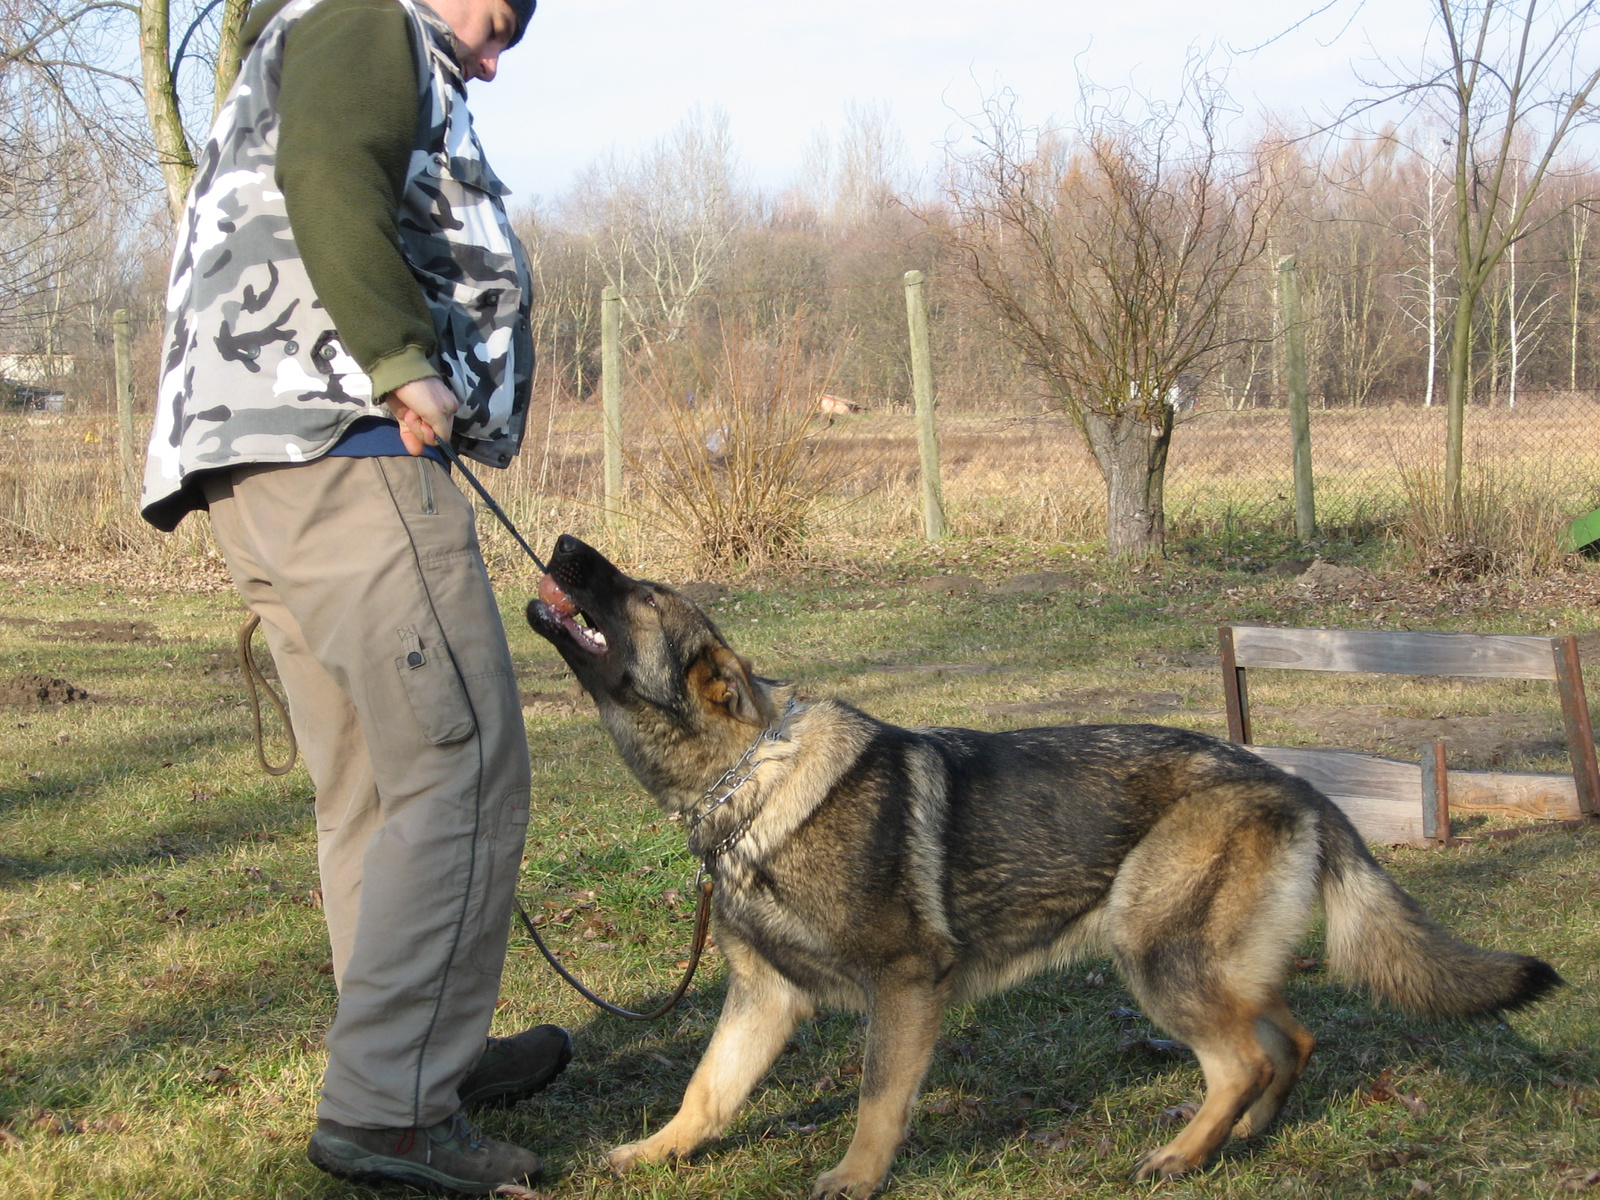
[[162, 1003]]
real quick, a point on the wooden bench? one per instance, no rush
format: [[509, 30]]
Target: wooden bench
[[1392, 801]]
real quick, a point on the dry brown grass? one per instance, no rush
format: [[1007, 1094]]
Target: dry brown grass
[[1022, 476]]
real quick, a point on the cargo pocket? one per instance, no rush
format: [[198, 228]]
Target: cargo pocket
[[437, 697]]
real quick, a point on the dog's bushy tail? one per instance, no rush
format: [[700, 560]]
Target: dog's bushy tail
[[1379, 936]]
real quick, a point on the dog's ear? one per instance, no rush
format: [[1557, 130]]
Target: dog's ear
[[731, 686]]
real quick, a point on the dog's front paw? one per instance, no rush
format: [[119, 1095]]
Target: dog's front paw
[[634, 1154], [839, 1182], [1165, 1163]]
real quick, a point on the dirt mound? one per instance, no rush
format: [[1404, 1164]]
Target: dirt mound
[[39, 689], [1327, 575]]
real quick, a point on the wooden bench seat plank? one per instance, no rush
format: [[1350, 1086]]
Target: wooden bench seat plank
[[1381, 796], [1349, 776]]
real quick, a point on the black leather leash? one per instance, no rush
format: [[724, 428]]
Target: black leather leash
[[703, 885], [454, 460]]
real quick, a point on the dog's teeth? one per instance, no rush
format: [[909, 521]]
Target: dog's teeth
[[597, 637]]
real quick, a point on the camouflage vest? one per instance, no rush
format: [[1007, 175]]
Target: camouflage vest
[[252, 369]]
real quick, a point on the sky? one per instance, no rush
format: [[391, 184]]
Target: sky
[[594, 76]]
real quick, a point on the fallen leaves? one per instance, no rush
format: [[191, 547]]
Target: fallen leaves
[[1578, 1179], [1383, 1090], [1051, 1141]]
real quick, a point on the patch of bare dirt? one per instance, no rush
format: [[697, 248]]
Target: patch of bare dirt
[[1040, 582], [127, 631], [950, 585], [106, 631], [127, 573], [1092, 702], [29, 688]]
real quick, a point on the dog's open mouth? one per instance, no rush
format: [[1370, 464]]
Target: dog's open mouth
[[558, 608]]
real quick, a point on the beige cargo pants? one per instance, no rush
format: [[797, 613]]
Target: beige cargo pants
[[367, 576]]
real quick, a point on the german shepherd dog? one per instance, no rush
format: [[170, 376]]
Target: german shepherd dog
[[900, 871]]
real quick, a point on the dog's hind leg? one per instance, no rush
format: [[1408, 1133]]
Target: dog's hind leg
[[1202, 919], [1289, 1044], [757, 1018], [904, 1017], [1237, 1072]]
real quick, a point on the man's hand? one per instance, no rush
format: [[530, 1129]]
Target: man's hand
[[426, 409]]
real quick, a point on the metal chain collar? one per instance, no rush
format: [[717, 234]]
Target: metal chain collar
[[712, 801]]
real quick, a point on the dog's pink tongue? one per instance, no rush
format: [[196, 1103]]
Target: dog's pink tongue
[[555, 599]]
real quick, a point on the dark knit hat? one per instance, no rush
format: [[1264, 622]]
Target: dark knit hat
[[524, 10]]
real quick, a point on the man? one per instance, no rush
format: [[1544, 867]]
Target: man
[[347, 291]]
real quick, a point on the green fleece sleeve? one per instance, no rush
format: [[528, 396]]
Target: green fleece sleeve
[[348, 109]]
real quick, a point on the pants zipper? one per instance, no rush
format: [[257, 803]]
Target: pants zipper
[[425, 478]]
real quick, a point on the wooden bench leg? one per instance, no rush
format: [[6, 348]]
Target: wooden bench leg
[[1435, 795], [1580, 733], [1234, 694]]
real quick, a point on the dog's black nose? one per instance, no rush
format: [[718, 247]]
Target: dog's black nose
[[567, 544]]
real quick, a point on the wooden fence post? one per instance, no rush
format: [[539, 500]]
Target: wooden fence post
[[934, 527], [122, 343], [1294, 335], [611, 399]]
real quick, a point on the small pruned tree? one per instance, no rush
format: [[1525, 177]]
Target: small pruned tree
[[738, 461], [1105, 251]]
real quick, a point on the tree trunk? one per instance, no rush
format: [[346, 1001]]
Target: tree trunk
[[233, 14], [1455, 398], [161, 103], [1132, 455]]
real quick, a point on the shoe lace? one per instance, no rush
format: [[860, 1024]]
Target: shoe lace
[[459, 1129]]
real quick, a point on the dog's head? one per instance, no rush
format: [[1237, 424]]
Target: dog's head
[[672, 693]]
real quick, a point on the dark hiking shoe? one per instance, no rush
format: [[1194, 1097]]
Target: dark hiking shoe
[[451, 1157], [514, 1068]]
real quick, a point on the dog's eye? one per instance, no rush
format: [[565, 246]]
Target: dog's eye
[[650, 599]]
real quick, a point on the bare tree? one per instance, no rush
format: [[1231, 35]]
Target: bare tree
[[1514, 82], [79, 59], [664, 223], [1106, 251]]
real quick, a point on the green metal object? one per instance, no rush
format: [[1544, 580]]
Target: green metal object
[[1585, 531]]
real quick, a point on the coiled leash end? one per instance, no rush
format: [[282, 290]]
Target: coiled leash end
[[252, 677]]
